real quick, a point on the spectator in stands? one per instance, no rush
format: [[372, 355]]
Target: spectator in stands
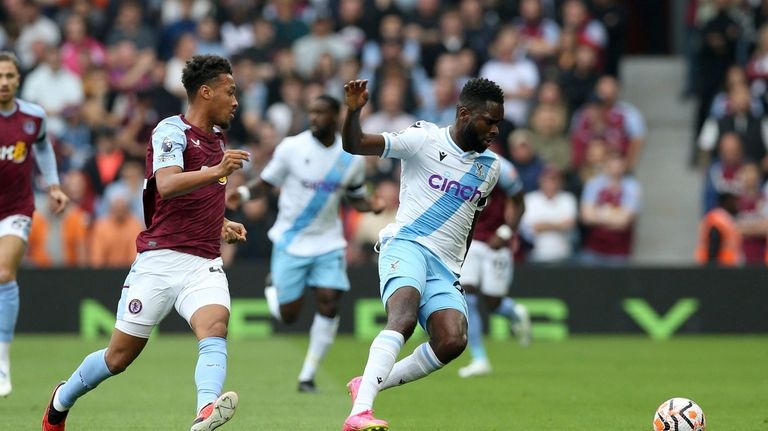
[[550, 218], [209, 37], [609, 207], [620, 123], [185, 48], [757, 67], [129, 26], [580, 79], [61, 239], [36, 31], [391, 117], [391, 27], [321, 40], [452, 39], [614, 16], [288, 25], [129, 69], [75, 141], [103, 167], [289, 115], [514, 73], [80, 50], [717, 53], [479, 26], [395, 66], [577, 20], [752, 130], [440, 106], [178, 18], [752, 219], [548, 138], [735, 77], [539, 34], [722, 173], [129, 187], [594, 165], [54, 88], [113, 239], [720, 242], [528, 164]]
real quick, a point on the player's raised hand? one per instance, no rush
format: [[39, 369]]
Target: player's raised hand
[[356, 94], [59, 200], [232, 161]]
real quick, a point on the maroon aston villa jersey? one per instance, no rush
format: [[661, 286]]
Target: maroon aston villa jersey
[[19, 130], [190, 223]]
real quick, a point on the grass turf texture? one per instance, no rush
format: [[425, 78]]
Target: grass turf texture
[[585, 383]]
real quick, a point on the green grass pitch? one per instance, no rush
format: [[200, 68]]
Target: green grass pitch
[[584, 383]]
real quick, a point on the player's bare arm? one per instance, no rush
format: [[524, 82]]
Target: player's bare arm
[[232, 232], [254, 189], [172, 181], [353, 139]]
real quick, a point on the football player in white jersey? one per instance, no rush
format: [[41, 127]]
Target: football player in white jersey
[[314, 174], [447, 175]]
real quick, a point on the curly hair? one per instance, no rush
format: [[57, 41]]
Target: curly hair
[[479, 91], [332, 102], [200, 70]]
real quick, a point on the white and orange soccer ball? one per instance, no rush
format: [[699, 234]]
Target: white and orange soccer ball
[[679, 414]]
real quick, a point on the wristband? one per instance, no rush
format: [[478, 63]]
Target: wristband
[[504, 232], [245, 193]]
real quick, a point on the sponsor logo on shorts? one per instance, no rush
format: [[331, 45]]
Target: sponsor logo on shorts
[[135, 306]]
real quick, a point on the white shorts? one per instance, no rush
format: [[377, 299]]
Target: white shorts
[[16, 225], [488, 269], [161, 279]]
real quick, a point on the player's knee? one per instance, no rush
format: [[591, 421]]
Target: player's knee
[[328, 309], [217, 329], [289, 317], [450, 346]]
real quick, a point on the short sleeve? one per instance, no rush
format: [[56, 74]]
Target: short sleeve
[[406, 143], [356, 186], [591, 190], [509, 179], [630, 198], [168, 145], [635, 122], [277, 168]]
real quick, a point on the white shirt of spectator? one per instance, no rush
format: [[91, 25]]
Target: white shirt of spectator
[[54, 90], [512, 77], [312, 180], [441, 189], [550, 245]]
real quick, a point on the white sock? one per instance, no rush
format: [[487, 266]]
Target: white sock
[[420, 363], [382, 356], [321, 336], [57, 404], [270, 293], [5, 357]]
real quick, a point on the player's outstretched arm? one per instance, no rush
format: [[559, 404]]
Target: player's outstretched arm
[[172, 181], [352, 137]]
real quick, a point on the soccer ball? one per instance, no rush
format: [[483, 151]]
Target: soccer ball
[[679, 414]]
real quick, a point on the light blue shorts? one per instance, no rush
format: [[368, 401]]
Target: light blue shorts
[[291, 274], [408, 263]]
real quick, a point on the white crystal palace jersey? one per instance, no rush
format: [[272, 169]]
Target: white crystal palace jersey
[[312, 179], [441, 188]]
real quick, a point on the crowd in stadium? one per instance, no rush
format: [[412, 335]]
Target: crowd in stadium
[[107, 71]]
